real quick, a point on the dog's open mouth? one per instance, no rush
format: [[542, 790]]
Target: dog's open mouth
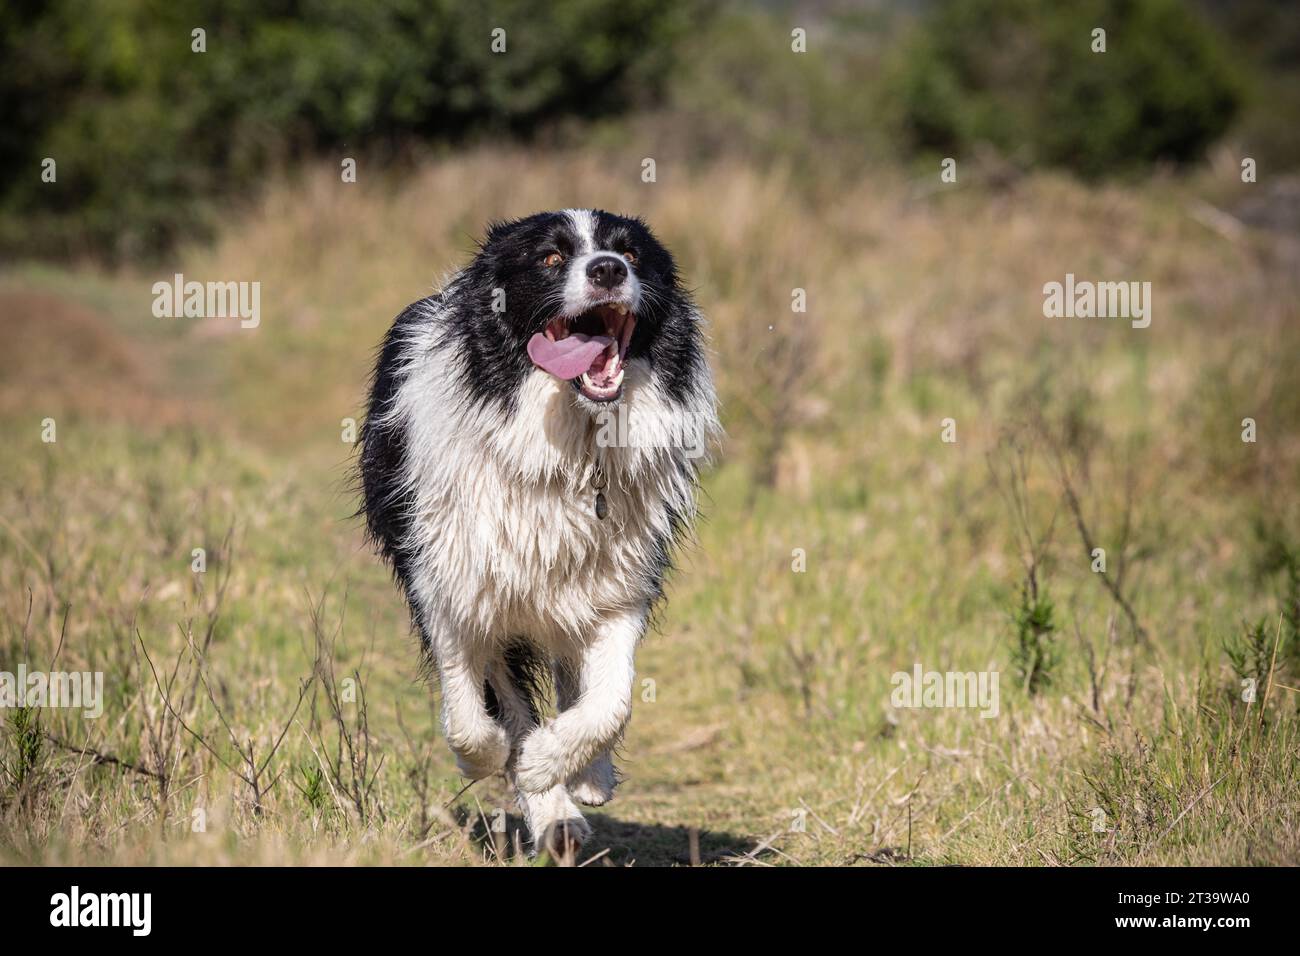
[[588, 349]]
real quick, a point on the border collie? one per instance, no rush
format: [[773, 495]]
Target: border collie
[[530, 537]]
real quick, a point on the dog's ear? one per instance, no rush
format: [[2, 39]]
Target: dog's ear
[[497, 229]]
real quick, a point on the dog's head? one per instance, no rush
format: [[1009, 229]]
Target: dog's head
[[579, 294]]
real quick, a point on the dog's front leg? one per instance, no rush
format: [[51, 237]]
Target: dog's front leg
[[555, 823], [594, 784], [480, 744], [553, 753]]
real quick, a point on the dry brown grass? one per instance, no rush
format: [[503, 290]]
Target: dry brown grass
[[770, 727]]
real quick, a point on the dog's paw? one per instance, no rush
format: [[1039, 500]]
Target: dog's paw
[[564, 838], [555, 823], [590, 794], [541, 761], [484, 756], [594, 787]]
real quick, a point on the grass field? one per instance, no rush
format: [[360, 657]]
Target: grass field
[[270, 709]]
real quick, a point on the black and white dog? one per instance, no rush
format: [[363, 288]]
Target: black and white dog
[[528, 459]]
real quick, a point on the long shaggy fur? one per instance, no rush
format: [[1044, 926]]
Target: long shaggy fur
[[478, 468]]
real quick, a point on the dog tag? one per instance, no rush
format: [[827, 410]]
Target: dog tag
[[598, 483]]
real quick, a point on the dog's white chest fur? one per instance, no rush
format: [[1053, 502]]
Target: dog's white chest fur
[[505, 539]]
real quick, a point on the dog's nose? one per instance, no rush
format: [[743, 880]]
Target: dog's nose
[[607, 271]]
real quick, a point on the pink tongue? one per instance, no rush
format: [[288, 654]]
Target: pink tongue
[[569, 357]]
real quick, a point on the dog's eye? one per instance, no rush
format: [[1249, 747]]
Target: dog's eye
[[630, 256], [553, 260]]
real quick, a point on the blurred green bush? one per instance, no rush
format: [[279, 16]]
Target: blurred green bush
[[146, 133], [1022, 76], [153, 140]]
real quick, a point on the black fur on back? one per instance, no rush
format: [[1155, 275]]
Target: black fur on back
[[382, 461]]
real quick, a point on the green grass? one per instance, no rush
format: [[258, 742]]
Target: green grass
[[767, 730]]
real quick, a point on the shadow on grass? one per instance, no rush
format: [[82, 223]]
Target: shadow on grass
[[616, 842]]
